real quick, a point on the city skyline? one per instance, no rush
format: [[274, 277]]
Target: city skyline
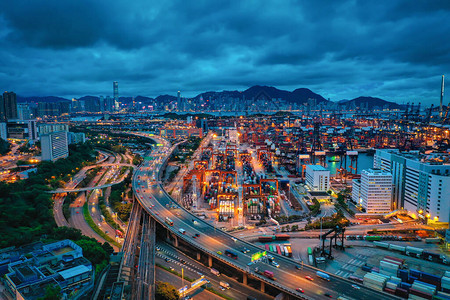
[[394, 51]]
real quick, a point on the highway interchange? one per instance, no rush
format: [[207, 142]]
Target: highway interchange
[[158, 203]]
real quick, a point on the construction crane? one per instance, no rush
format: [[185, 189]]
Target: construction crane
[[427, 120], [405, 115], [339, 234]]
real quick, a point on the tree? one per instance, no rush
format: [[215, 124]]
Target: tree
[[108, 248], [166, 291], [93, 251], [52, 292], [61, 233]]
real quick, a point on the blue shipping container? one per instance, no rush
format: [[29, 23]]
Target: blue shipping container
[[431, 277], [366, 268], [405, 285], [424, 283], [411, 279], [415, 273]]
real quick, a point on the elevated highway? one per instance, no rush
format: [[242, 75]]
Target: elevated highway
[[213, 242], [91, 188]]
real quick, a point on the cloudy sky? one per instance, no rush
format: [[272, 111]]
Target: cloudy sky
[[396, 50]]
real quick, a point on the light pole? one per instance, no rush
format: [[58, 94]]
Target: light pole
[[321, 227]]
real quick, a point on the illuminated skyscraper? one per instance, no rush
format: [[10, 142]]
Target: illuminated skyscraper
[[116, 94]]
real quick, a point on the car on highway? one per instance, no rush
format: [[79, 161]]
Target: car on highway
[[197, 235], [298, 267], [275, 264], [356, 287], [328, 295], [309, 278], [300, 290]]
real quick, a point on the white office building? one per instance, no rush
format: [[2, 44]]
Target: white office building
[[421, 182], [54, 145], [317, 178], [76, 137], [373, 191]]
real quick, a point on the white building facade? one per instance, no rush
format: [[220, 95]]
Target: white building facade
[[421, 182], [375, 191], [317, 178], [54, 145]]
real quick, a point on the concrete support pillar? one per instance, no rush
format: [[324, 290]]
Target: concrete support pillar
[[244, 278], [209, 261], [198, 256], [175, 241], [263, 286]]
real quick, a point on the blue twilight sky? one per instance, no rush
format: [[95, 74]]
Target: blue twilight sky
[[395, 50]]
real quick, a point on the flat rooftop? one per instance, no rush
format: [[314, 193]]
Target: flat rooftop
[[63, 250], [317, 168]]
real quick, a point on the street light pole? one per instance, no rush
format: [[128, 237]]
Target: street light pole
[[321, 227]]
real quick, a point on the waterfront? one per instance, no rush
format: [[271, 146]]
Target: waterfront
[[365, 161]]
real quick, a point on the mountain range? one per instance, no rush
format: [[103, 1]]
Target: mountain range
[[300, 96]]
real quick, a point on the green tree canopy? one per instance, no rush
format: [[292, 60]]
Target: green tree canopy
[[166, 291]]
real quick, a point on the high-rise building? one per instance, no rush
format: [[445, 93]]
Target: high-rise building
[[116, 95], [2, 110], [56, 109], [76, 137], [421, 182], [373, 191], [317, 178], [49, 128], [109, 104], [101, 103], [3, 130], [54, 145], [24, 112], [10, 105], [22, 129]]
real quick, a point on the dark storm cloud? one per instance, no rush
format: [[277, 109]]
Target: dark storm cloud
[[395, 50]]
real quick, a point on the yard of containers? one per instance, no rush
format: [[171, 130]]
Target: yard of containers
[[394, 276]]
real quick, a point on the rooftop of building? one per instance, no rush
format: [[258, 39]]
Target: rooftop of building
[[430, 158], [317, 168], [373, 171]]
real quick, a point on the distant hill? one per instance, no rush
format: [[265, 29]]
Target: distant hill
[[41, 99], [257, 92], [298, 96], [143, 99], [371, 101], [165, 98], [88, 98]]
